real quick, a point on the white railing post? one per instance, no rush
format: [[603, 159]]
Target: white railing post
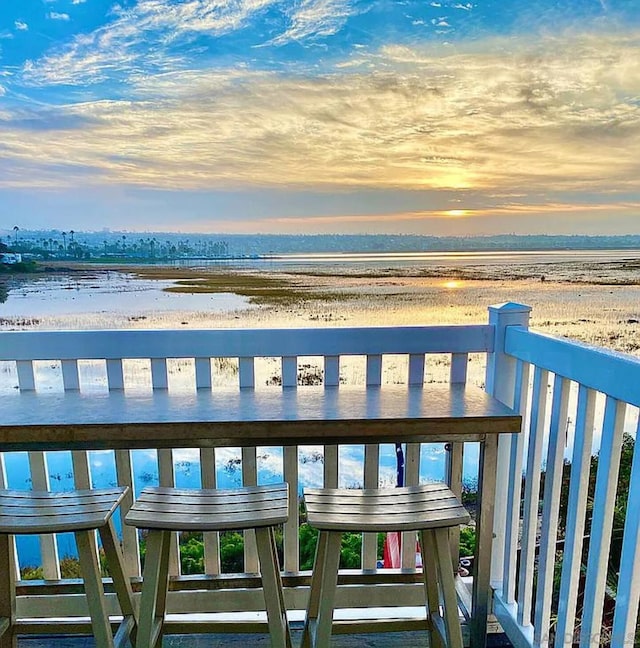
[[500, 382]]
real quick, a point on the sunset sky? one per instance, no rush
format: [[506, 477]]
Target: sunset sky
[[353, 116]]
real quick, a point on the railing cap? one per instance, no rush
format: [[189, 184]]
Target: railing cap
[[510, 307]]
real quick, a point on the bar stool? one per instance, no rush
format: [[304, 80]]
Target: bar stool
[[429, 509], [163, 510], [83, 512]]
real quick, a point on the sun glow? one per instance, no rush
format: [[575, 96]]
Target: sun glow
[[453, 284], [456, 212]]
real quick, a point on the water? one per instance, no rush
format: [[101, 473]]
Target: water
[[115, 292], [361, 261], [107, 292]]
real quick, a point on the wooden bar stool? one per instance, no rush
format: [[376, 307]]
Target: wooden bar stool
[[430, 509], [83, 512], [163, 510]]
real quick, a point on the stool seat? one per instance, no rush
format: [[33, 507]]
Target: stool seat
[[82, 512], [29, 512], [430, 510], [166, 510], [187, 509], [410, 508]]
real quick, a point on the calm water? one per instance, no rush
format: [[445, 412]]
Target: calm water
[[115, 292], [107, 292], [326, 262]]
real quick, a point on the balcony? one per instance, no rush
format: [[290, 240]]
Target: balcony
[[559, 539]]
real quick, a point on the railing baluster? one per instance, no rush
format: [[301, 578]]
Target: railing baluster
[[246, 373], [291, 535], [290, 461], [159, 374], [371, 480], [203, 373], [330, 465], [371, 466], [550, 508], [412, 462], [167, 479], [290, 371], [130, 543], [604, 501], [625, 618], [70, 375], [211, 538], [26, 376], [576, 510], [516, 454], [79, 458], [532, 495], [458, 370], [455, 453], [250, 478], [416, 369], [115, 374], [411, 478], [331, 371], [48, 545], [246, 377]]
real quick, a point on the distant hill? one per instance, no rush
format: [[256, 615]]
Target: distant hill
[[156, 244]]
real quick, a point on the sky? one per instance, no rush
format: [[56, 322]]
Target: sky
[[440, 117]]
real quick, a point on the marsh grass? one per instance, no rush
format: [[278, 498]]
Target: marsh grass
[[261, 289]]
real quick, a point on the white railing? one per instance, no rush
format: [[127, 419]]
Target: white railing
[[575, 400], [250, 359], [554, 585]]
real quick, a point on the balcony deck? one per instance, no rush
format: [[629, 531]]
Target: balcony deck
[[369, 640], [553, 495]]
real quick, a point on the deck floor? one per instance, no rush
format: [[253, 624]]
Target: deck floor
[[379, 640]]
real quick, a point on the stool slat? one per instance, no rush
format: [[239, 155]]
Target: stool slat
[[44, 512]]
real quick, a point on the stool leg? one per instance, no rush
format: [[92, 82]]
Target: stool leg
[[430, 576], [272, 587], [315, 590], [85, 540], [121, 582], [448, 584], [154, 589], [324, 581], [8, 639]]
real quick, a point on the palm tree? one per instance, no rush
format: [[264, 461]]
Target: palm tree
[[64, 241], [16, 229]]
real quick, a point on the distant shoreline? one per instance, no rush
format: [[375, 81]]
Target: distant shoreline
[[616, 270]]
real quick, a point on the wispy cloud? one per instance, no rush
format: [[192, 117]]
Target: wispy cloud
[[318, 18], [122, 46], [540, 116], [21, 26], [54, 15]]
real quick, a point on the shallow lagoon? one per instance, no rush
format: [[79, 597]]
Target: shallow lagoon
[[570, 302], [107, 292]]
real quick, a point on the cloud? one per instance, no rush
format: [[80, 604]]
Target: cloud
[[77, 2], [54, 15], [498, 116], [21, 26], [121, 48], [312, 19]]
